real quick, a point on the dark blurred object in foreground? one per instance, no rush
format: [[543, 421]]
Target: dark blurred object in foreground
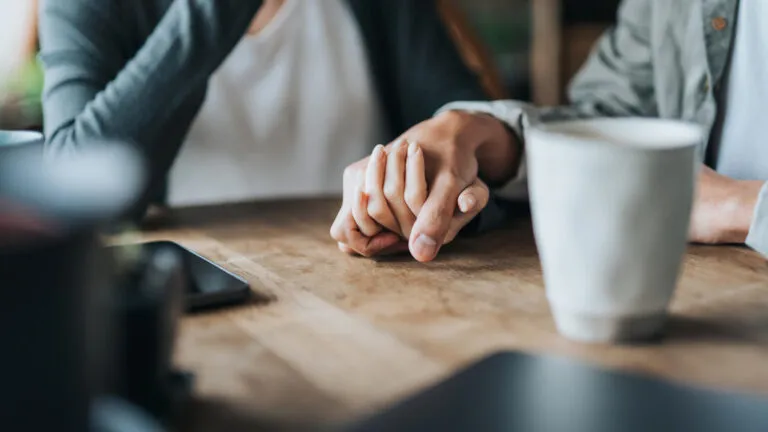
[[149, 306], [60, 312], [514, 392]]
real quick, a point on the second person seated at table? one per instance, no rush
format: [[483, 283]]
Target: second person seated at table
[[656, 62]]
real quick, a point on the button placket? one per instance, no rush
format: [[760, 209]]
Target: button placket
[[719, 23]]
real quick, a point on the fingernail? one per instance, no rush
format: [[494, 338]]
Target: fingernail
[[378, 151], [425, 246], [402, 147], [467, 203], [412, 147]]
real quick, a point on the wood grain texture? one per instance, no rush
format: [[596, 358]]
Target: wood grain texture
[[343, 336]]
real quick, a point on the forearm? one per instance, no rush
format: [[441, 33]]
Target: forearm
[[87, 100]]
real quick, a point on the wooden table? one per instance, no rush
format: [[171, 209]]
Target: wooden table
[[338, 337]]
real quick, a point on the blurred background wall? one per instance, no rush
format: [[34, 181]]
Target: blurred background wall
[[20, 76], [538, 45], [505, 27]]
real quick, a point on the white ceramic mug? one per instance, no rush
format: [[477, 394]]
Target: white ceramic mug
[[611, 200]]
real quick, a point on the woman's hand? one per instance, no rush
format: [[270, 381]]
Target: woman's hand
[[385, 193], [366, 239], [396, 190]]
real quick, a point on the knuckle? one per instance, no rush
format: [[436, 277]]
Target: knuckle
[[452, 181], [367, 251], [334, 233], [392, 192], [414, 198], [336, 229], [359, 246], [449, 118], [351, 173], [338, 232], [348, 172], [377, 209]]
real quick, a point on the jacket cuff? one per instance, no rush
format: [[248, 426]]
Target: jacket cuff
[[757, 238], [516, 116]]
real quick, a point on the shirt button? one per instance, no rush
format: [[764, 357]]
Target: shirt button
[[719, 23], [706, 85]]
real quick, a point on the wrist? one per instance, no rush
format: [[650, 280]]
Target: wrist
[[498, 155]]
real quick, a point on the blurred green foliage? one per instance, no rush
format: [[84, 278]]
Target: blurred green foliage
[[504, 34], [20, 104]]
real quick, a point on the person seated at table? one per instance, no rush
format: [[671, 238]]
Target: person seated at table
[[235, 100], [702, 62]]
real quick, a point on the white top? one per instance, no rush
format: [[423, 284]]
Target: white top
[[743, 149], [288, 110]]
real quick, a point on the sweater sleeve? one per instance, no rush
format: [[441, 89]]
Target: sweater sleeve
[[94, 93]]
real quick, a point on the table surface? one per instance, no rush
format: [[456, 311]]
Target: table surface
[[336, 337]]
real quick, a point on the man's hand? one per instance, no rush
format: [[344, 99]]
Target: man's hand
[[723, 208], [455, 147], [389, 190]]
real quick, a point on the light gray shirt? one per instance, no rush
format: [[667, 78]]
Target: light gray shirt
[[666, 58], [742, 152]]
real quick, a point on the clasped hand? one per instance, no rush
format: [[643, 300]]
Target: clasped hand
[[417, 192]]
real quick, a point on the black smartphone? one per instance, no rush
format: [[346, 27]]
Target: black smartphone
[[208, 284]]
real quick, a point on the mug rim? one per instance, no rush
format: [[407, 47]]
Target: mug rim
[[12, 138], [688, 134]]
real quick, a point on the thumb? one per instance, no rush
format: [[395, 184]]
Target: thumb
[[471, 202], [434, 219], [474, 198]]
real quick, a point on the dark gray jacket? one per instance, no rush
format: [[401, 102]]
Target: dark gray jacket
[[137, 70]]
